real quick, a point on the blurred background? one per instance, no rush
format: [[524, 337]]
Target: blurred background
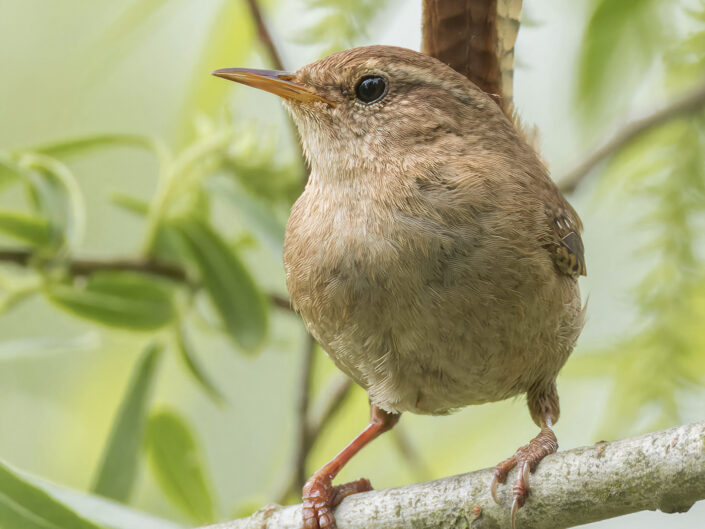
[[146, 352]]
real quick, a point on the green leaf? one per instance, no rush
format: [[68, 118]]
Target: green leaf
[[25, 506], [106, 513], [177, 464], [259, 217], [118, 299], [179, 186], [57, 195], [9, 172], [242, 307], [28, 228], [338, 26], [615, 55], [194, 368], [118, 469], [83, 144], [135, 17], [230, 39], [130, 203]]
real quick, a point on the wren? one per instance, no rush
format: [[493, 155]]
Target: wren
[[430, 254]]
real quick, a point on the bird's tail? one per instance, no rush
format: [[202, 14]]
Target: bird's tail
[[476, 38]]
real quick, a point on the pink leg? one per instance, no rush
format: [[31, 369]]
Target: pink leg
[[319, 495], [545, 410]]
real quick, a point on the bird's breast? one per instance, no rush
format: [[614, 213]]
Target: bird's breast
[[425, 315]]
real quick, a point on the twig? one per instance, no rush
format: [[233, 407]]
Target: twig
[[316, 421], [663, 470], [265, 38], [264, 35], [407, 450], [280, 302], [691, 102], [83, 267], [302, 438], [335, 396]]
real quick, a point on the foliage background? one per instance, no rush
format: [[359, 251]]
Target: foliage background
[[130, 79]]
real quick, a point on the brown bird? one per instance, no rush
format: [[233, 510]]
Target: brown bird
[[430, 254]]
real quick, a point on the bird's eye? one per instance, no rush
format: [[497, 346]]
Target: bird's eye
[[371, 89]]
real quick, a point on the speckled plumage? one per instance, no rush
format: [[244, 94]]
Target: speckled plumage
[[430, 254]]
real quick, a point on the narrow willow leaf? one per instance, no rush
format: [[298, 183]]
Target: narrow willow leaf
[[258, 216], [48, 198], [177, 464], [106, 513], [338, 27], [136, 16], [83, 144], [229, 41], [241, 305], [118, 469], [128, 33], [615, 54], [130, 203], [26, 506], [9, 172], [118, 299], [168, 246], [179, 185], [194, 368], [28, 228], [57, 195]]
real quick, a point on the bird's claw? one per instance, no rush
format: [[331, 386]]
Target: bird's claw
[[493, 488], [500, 475], [516, 505], [526, 459], [316, 504], [520, 490], [320, 498]]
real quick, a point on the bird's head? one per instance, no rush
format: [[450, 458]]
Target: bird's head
[[377, 105]]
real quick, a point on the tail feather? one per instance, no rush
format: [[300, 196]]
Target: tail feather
[[476, 38]]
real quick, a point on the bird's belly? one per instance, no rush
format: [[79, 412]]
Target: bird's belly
[[418, 323], [428, 359]]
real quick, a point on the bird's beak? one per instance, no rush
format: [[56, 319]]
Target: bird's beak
[[280, 83]]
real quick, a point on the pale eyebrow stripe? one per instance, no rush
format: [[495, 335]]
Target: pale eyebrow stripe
[[420, 76]]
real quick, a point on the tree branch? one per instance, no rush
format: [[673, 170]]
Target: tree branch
[[663, 470], [691, 102], [330, 403], [315, 420], [408, 452], [83, 267], [303, 441], [265, 37]]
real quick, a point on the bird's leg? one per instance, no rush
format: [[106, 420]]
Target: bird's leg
[[320, 496], [544, 409]]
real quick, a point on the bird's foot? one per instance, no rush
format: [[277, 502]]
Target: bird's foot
[[320, 498], [526, 459]]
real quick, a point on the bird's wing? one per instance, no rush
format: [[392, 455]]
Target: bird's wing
[[565, 245], [476, 38]]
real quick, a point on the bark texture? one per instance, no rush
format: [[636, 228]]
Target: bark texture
[[663, 470]]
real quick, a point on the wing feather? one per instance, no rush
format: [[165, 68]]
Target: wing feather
[[566, 245]]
